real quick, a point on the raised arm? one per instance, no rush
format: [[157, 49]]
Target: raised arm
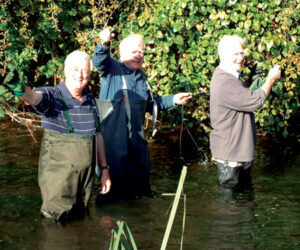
[[101, 58], [273, 75]]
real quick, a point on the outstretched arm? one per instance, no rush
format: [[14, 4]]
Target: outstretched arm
[[15, 81], [168, 102]]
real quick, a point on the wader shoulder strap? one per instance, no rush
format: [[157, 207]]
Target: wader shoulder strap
[[126, 99], [96, 118], [155, 110], [70, 129]]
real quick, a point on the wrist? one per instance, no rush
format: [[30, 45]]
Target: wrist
[[270, 80], [104, 43], [17, 93], [105, 167]]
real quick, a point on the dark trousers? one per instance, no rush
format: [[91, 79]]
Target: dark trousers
[[231, 177]]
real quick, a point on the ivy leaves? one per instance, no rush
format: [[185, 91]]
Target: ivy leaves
[[182, 55], [181, 36]]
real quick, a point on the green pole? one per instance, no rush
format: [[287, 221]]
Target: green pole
[[174, 208]]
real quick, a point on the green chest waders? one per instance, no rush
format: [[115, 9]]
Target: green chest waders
[[66, 169], [127, 153]]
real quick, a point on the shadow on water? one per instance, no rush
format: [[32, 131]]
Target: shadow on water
[[265, 215]]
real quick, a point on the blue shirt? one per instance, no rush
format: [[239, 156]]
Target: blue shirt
[[112, 70], [52, 110]]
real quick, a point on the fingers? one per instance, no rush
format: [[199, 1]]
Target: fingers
[[106, 35], [275, 72], [105, 187], [275, 69], [182, 98], [187, 97]]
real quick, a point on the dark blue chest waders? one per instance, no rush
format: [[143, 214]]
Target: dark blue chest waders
[[66, 170], [127, 153], [126, 148]]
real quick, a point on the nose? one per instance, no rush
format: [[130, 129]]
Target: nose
[[140, 53], [241, 56]]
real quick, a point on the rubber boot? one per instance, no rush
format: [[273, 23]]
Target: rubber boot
[[228, 176]]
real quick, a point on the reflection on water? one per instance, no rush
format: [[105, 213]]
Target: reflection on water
[[263, 216]]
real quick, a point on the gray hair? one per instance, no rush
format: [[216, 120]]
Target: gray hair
[[127, 40], [228, 42], [76, 56]]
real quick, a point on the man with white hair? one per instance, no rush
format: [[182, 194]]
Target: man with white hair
[[71, 130], [233, 138], [125, 96]]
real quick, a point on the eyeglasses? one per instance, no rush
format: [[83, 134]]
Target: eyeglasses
[[82, 71]]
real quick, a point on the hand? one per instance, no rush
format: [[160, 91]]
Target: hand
[[15, 81], [182, 98], [106, 36], [105, 182], [274, 73]]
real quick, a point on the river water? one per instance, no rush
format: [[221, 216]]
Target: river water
[[263, 216]]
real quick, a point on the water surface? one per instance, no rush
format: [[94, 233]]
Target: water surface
[[266, 215]]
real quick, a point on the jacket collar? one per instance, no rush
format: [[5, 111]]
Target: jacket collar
[[229, 70]]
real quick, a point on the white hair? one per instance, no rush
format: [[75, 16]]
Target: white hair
[[76, 56], [128, 40], [226, 43]]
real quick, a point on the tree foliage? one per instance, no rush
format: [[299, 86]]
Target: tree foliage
[[182, 54], [181, 37]]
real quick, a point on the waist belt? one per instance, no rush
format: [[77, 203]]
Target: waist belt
[[228, 163]]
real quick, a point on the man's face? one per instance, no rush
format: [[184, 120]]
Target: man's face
[[78, 75], [234, 57], [133, 57]]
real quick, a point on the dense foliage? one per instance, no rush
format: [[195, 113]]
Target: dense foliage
[[181, 36]]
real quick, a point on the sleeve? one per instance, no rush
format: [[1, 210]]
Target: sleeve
[[46, 106], [234, 96], [102, 59], [163, 103]]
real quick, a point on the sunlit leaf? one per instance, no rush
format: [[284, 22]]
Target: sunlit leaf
[[2, 90], [247, 24], [2, 113], [179, 40]]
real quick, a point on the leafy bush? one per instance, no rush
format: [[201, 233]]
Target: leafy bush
[[37, 35], [181, 37]]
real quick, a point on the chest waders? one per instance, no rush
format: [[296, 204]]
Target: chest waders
[[66, 169], [127, 153]]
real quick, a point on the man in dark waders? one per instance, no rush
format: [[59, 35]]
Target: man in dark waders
[[71, 131], [125, 96], [233, 138]]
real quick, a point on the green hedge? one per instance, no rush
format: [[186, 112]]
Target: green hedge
[[181, 36], [182, 54]]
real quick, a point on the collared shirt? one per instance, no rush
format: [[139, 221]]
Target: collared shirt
[[112, 70], [227, 69], [52, 110]]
